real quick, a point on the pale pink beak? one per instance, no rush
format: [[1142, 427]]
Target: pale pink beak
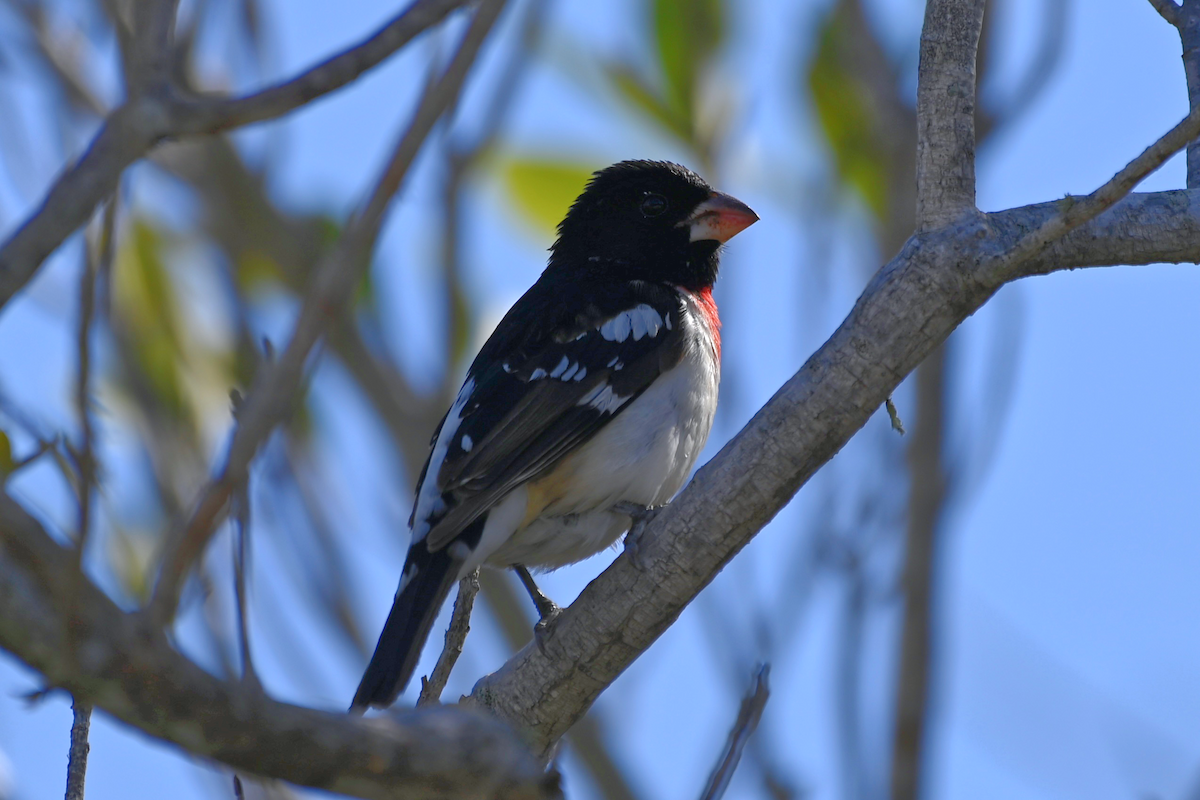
[[720, 217]]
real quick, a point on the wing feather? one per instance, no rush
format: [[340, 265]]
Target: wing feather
[[544, 395]]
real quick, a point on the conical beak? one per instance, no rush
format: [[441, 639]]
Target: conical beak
[[720, 217]]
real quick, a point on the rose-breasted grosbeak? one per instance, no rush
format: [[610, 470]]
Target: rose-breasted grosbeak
[[595, 394]]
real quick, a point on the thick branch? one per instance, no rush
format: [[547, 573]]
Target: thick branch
[[946, 111], [938, 279], [130, 671], [1167, 9]]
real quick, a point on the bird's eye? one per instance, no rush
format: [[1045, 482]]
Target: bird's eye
[[653, 205]]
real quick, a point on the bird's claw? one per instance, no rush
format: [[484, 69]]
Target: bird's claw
[[544, 628], [641, 516]]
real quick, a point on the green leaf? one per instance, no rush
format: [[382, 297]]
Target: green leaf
[[633, 89], [844, 111], [543, 189], [7, 465], [147, 309], [687, 33]]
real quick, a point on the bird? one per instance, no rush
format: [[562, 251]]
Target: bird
[[586, 407]]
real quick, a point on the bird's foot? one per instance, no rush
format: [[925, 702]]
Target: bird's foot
[[544, 628], [547, 609], [641, 516]]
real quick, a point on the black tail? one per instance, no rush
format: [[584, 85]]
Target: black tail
[[407, 627]]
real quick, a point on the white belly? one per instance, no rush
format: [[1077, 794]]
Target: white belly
[[643, 457]]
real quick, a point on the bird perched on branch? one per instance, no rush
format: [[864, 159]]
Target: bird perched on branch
[[590, 401]]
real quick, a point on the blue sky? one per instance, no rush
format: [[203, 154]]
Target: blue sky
[[1068, 664]]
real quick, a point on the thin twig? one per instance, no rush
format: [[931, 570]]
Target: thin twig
[[926, 500], [77, 756], [1188, 24], [276, 387], [241, 547], [1168, 10], [456, 634], [209, 115], [743, 727], [94, 267], [1075, 211]]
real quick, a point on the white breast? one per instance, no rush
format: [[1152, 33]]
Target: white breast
[[643, 456]]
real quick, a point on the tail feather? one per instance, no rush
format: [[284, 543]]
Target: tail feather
[[407, 627]]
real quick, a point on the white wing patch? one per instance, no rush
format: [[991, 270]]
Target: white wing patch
[[603, 399], [641, 320], [429, 497], [467, 443], [561, 368]]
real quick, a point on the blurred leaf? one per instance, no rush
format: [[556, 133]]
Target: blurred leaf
[[6, 457], [631, 87], [543, 188], [687, 33], [148, 311], [257, 271], [844, 112], [130, 557]]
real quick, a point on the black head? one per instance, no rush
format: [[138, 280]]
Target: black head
[[648, 220]]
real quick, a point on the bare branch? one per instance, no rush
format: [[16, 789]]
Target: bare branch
[[131, 130], [1188, 23], [744, 726], [1168, 10], [150, 56], [275, 389], [123, 138], [927, 493], [131, 671], [77, 756], [1073, 211], [946, 111], [456, 634], [216, 114]]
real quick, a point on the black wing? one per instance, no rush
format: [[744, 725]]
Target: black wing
[[559, 367]]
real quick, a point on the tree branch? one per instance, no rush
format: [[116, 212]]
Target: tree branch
[[1167, 9], [130, 670], [210, 115], [1186, 19], [946, 111], [1073, 211], [276, 387], [926, 497], [749, 715], [124, 137], [77, 755], [132, 129], [456, 634], [937, 280]]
